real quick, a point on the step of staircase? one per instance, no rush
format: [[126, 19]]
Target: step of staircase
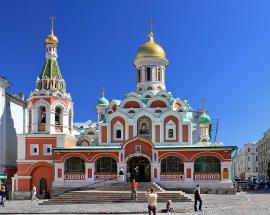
[[95, 196], [142, 186], [116, 192]]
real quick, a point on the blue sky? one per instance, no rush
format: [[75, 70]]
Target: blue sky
[[219, 50]]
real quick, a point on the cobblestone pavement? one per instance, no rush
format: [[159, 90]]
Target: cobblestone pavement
[[240, 204]]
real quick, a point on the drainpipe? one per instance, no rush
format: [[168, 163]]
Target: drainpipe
[[232, 168]]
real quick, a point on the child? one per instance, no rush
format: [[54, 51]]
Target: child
[[169, 206]]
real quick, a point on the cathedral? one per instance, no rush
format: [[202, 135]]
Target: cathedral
[[151, 135]]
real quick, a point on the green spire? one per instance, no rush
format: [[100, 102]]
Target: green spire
[[51, 70]]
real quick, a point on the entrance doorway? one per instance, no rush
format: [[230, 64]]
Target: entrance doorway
[[42, 186], [139, 168]]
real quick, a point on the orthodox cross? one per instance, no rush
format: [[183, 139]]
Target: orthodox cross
[[151, 24], [203, 100], [52, 18], [102, 92]]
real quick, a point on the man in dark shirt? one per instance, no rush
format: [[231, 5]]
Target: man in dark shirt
[[197, 197]]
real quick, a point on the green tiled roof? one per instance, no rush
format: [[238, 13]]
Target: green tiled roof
[[51, 70]]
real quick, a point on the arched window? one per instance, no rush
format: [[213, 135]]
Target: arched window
[[148, 73], [139, 75], [170, 130], [42, 114], [207, 164], [170, 133], [118, 131], [159, 74], [74, 164], [106, 164], [58, 116], [118, 134], [172, 164]]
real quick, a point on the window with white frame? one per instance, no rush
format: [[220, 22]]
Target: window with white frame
[[170, 130], [47, 149], [34, 149], [118, 131]]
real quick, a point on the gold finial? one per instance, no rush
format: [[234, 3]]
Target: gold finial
[[52, 18], [102, 91], [151, 29], [203, 100]]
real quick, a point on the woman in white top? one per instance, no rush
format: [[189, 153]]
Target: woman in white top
[[152, 200]]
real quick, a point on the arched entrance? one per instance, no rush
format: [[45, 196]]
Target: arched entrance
[[42, 186], [139, 168]]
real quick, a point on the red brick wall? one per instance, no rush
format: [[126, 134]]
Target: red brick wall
[[185, 133], [104, 134]]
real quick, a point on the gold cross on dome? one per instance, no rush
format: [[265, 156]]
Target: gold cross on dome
[[203, 100], [52, 18], [151, 24]]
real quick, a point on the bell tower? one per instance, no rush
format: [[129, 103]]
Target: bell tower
[[150, 63], [50, 108]]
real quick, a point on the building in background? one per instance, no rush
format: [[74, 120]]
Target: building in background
[[264, 155], [246, 162], [12, 122], [150, 133]]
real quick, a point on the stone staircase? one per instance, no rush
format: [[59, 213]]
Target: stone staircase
[[118, 192], [142, 186]]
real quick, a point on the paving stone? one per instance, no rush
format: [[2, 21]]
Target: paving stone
[[212, 205]]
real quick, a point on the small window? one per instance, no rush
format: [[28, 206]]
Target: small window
[[159, 75], [34, 149], [148, 74], [256, 158], [170, 133], [248, 158], [47, 149], [118, 134], [248, 149], [139, 75]]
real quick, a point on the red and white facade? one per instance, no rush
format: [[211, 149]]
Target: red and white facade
[[149, 134]]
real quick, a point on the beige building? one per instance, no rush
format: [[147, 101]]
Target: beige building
[[264, 155], [246, 164]]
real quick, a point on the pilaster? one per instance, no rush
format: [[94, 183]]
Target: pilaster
[[188, 171]]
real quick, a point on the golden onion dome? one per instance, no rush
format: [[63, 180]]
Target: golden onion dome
[[151, 50], [51, 39]]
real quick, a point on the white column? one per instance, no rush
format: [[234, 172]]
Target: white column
[[188, 165], [225, 164], [119, 166], [51, 121], [89, 166], [56, 167], [65, 122], [35, 120], [155, 165]]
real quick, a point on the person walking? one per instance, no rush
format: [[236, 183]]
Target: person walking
[[121, 175], [134, 187], [197, 197], [34, 193], [151, 197], [3, 196]]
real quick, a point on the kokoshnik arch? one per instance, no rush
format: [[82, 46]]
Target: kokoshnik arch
[[149, 133]]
